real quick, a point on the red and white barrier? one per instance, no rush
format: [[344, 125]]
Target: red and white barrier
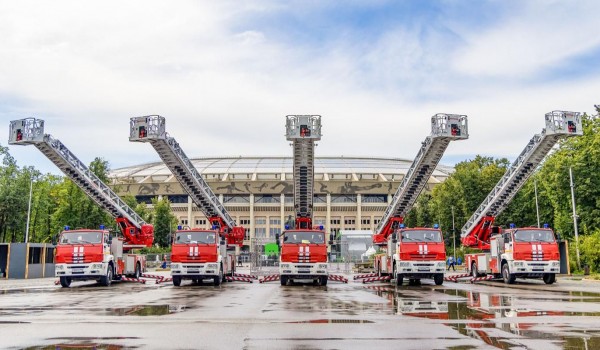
[[269, 278], [166, 279], [376, 279], [156, 277], [454, 278], [238, 279], [484, 278], [245, 276], [337, 278], [129, 279], [359, 277]]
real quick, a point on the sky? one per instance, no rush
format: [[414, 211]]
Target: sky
[[225, 74]]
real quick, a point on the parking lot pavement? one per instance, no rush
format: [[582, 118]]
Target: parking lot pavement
[[37, 313]]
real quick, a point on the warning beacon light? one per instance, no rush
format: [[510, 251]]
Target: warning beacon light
[[179, 227], [436, 226], [402, 226], [102, 227], [67, 228], [513, 225]]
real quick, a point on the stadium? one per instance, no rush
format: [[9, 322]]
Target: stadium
[[351, 193]]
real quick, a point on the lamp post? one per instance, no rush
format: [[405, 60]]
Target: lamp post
[[453, 236], [574, 216], [29, 209], [537, 208]]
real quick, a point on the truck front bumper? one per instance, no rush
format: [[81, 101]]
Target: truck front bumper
[[303, 270], [81, 271], [420, 269], [530, 268], [195, 270]]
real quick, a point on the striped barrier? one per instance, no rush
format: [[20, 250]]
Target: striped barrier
[[156, 277], [129, 279], [484, 278], [380, 288], [238, 279], [337, 278], [166, 279], [376, 279], [359, 277], [454, 278], [245, 276], [269, 278]]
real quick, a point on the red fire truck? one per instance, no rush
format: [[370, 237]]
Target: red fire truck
[[303, 248], [89, 254], [528, 252], [197, 254], [416, 253]]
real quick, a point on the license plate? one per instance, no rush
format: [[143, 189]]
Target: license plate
[[423, 269], [303, 271], [193, 271], [77, 270]]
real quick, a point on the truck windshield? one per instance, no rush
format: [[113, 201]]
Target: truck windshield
[[81, 237], [534, 236], [204, 237], [420, 236], [305, 237]]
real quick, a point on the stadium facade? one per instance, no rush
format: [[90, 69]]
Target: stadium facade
[[351, 193]]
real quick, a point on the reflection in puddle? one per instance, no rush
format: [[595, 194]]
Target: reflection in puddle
[[84, 343], [147, 310], [332, 321], [494, 318]]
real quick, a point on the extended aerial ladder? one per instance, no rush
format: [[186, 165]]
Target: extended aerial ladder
[[151, 129], [559, 124], [444, 128], [303, 131], [30, 131]]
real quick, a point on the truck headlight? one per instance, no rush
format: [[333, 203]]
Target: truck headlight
[[404, 264], [441, 264], [175, 266], [96, 266], [518, 263], [211, 266], [556, 263], [59, 267], [322, 266]]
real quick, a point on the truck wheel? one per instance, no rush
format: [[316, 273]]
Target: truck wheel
[[399, 280], [107, 280], [474, 270], [283, 280], [176, 281], [508, 277], [65, 282], [549, 278], [323, 280], [217, 280], [438, 278], [138, 271]]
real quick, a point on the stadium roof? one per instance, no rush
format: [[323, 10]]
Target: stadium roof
[[283, 165]]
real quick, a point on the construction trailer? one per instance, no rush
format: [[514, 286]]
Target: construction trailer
[[26, 260]]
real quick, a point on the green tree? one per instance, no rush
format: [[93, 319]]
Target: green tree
[[164, 221]]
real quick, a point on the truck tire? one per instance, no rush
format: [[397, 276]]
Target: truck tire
[[507, 277], [107, 280], [283, 280], [438, 278], [217, 280], [323, 280], [65, 282], [399, 278], [474, 270], [549, 278], [138, 271], [176, 281]]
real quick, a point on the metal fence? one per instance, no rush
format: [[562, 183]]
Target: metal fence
[[262, 263]]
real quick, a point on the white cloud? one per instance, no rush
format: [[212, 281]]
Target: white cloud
[[225, 86]]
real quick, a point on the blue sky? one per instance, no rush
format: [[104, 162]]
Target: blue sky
[[224, 74]]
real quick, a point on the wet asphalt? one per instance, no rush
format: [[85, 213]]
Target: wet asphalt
[[37, 314]]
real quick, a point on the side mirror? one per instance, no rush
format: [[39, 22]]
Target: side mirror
[[506, 239], [110, 238], [394, 238], [222, 240], [330, 242], [54, 240]]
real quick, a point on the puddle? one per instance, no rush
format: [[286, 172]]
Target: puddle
[[147, 310], [332, 321], [84, 343]]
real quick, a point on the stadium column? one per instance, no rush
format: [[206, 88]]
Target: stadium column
[[189, 212], [358, 212], [328, 216], [252, 235]]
